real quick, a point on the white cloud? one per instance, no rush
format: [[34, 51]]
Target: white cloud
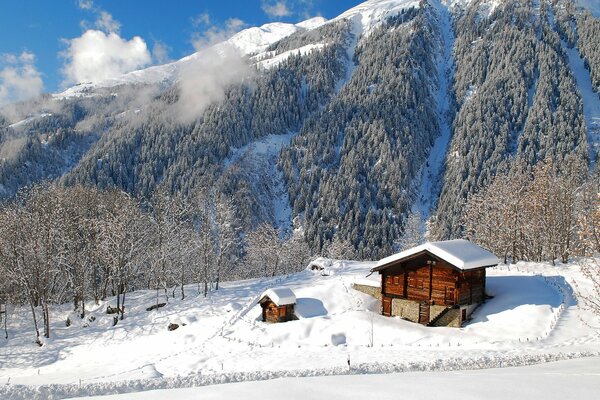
[[104, 20], [276, 10], [215, 34], [19, 78], [160, 52], [201, 19], [206, 80], [85, 4], [107, 23], [95, 56]]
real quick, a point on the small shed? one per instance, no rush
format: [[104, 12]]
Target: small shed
[[278, 305], [436, 283]]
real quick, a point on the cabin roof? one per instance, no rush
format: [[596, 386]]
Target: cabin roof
[[461, 253], [280, 296]]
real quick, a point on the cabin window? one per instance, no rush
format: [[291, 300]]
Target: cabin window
[[416, 283]]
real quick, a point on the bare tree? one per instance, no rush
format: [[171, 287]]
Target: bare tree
[[167, 215], [226, 235], [124, 243], [202, 246]]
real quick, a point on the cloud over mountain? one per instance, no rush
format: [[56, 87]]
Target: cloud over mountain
[[19, 78]]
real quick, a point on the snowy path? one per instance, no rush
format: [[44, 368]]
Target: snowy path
[[431, 172]]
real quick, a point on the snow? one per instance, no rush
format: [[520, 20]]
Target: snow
[[430, 176], [461, 253], [28, 120], [247, 41], [256, 40], [557, 380], [312, 23], [328, 267], [280, 296], [485, 7], [591, 100], [535, 317], [592, 6], [262, 156], [372, 13], [275, 60]]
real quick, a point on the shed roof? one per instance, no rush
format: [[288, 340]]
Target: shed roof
[[461, 253], [280, 296]]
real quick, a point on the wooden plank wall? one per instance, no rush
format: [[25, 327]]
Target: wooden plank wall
[[441, 283], [472, 286]]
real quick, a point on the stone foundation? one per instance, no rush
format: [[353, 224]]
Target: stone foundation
[[409, 309], [370, 290], [406, 309]]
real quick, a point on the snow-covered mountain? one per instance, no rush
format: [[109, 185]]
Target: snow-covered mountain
[[254, 41], [394, 109], [248, 42]]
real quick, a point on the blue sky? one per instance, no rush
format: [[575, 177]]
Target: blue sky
[[43, 42]]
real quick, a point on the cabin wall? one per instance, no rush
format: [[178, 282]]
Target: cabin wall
[[431, 291], [472, 287], [416, 280], [440, 284], [273, 314]]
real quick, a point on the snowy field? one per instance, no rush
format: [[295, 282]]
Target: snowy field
[[536, 316], [558, 380]]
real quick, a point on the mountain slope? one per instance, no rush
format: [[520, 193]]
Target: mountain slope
[[394, 108]]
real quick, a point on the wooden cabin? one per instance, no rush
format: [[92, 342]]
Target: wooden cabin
[[436, 284], [278, 305]]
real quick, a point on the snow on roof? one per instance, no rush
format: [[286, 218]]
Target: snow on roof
[[461, 253], [280, 296]]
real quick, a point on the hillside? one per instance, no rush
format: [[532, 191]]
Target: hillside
[[537, 315], [346, 128]]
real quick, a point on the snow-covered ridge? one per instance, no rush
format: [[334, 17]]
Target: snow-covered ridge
[[28, 120], [256, 40], [247, 42], [372, 12], [270, 59], [252, 41]]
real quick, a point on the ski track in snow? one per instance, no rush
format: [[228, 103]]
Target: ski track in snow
[[432, 169]]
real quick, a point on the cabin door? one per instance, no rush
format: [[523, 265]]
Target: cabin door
[[424, 313], [386, 306], [449, 300]]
